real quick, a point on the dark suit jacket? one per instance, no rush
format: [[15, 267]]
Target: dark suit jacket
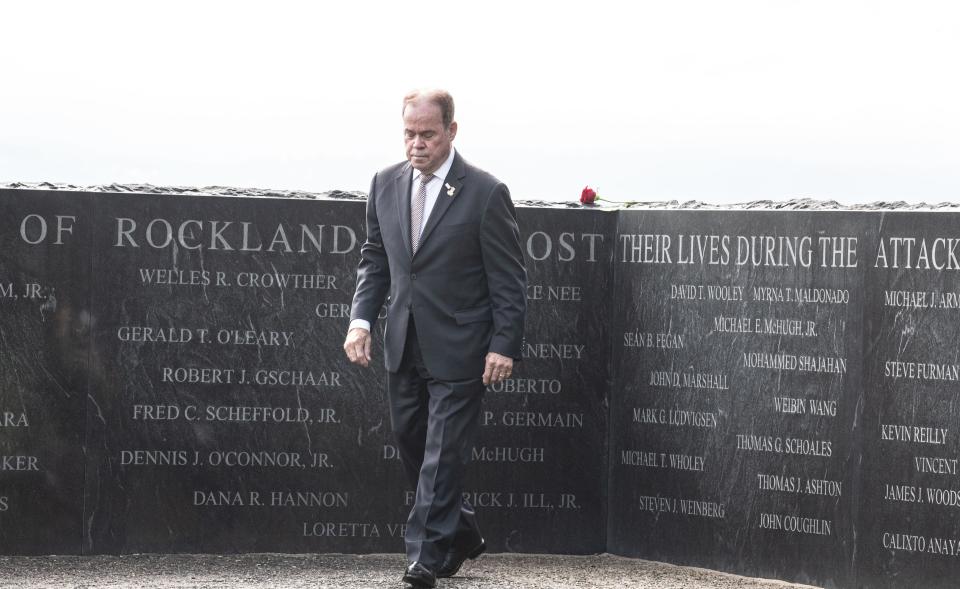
[[465, 287]]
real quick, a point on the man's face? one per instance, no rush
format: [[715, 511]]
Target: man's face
[[427, 142]]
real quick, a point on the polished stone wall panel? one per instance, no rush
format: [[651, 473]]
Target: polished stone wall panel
[[45, 323], [909, 532], [737, 391]]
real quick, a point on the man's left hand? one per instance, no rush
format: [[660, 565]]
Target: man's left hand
[[498, 368]]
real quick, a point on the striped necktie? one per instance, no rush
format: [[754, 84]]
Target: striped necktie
[[417, 205]]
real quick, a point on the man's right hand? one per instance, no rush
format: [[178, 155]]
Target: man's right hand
[[357, 346]]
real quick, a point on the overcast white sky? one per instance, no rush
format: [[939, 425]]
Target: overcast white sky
[[721, 101]]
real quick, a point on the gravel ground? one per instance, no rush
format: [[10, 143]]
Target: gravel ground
[[501, 571]]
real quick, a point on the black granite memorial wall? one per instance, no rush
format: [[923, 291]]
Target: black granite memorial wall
[[909, 532], [733, 435], [45, 323], [212, 409], [539, 469], [226, 420], [770, 393]]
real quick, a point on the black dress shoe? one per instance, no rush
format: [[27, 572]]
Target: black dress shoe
[[455, 557], [418, 576]]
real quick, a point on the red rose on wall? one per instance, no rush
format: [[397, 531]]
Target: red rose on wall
[[588, 196]]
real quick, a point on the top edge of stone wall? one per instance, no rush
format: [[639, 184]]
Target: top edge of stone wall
[[787, 204]]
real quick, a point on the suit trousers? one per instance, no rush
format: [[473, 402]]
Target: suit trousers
[[435, 423]]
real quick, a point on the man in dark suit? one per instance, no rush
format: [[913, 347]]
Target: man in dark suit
[[443, 250]]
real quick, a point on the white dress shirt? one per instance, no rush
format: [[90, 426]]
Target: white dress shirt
[[433, 191]]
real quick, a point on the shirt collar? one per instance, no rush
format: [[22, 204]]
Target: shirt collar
[[442, 171]]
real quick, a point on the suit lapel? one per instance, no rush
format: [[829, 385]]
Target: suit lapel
[[401, 188], [454, 179]]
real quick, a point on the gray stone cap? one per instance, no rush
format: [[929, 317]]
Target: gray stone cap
[[794, 204]]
